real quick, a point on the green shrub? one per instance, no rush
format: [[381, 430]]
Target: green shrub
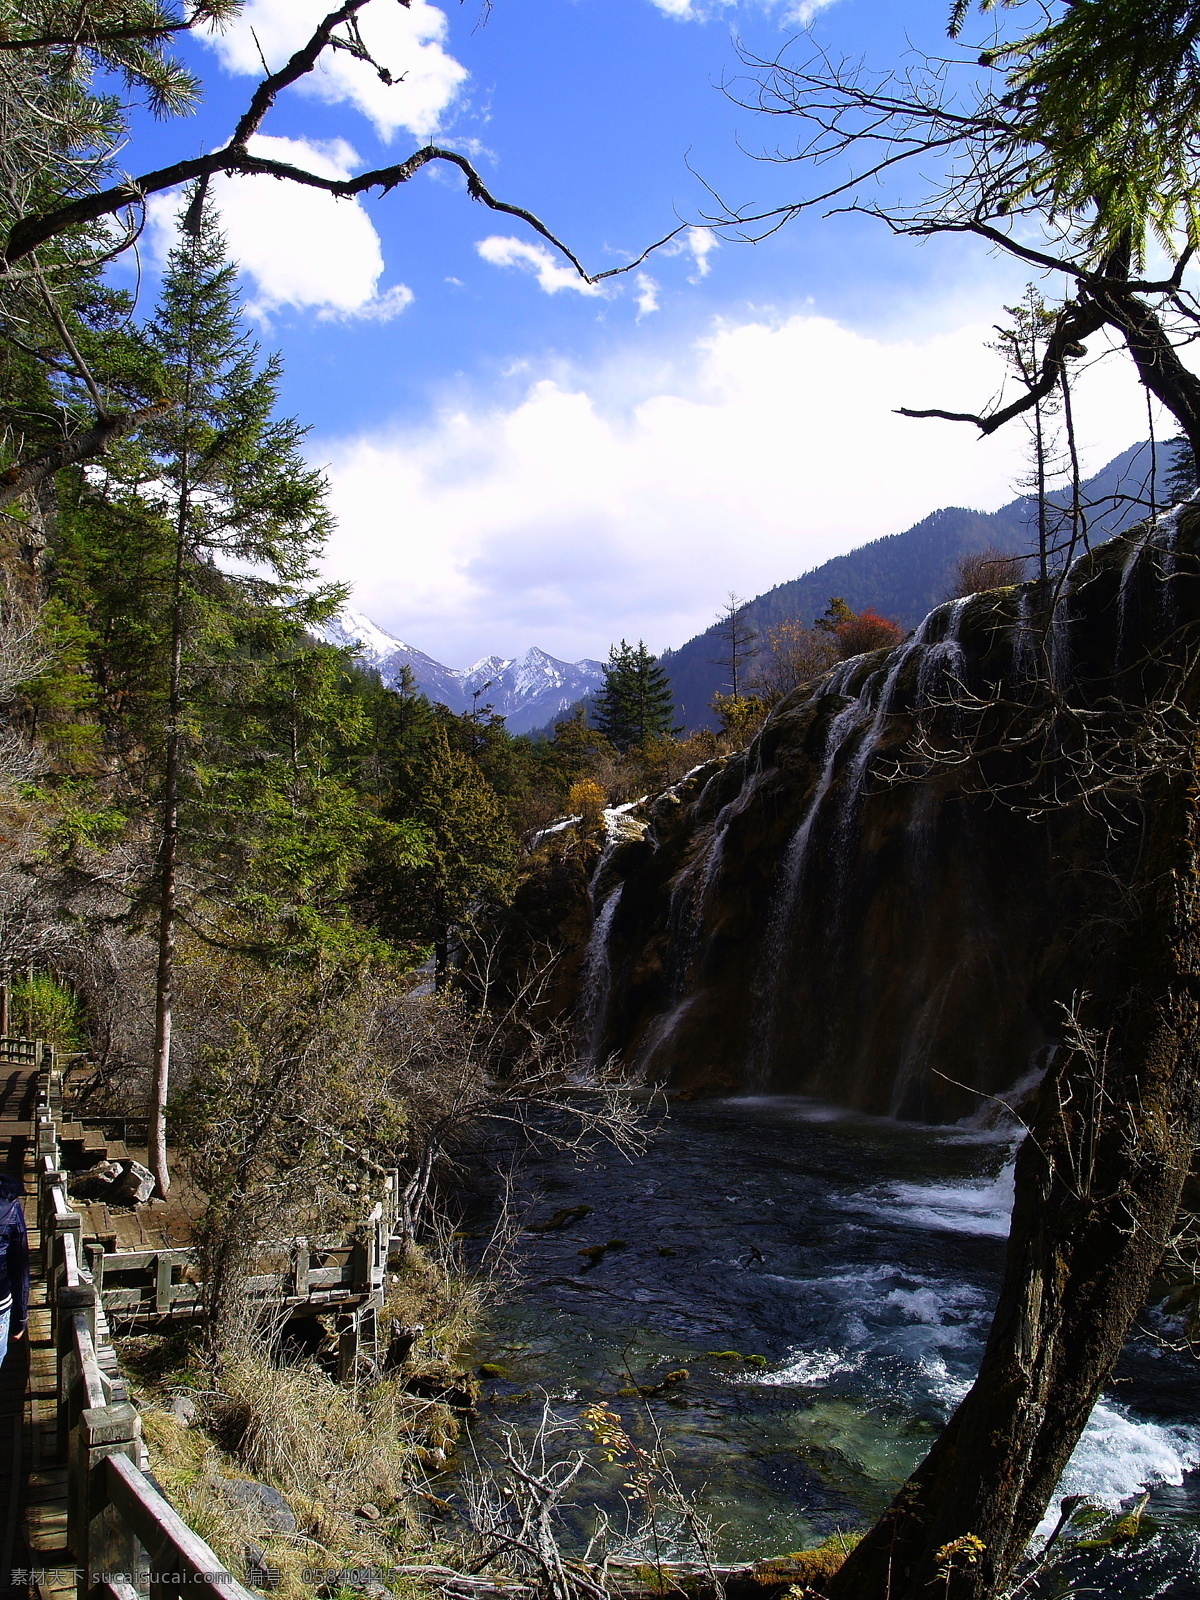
[[41, 1008]]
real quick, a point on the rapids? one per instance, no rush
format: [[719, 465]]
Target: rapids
[[854, 1260]]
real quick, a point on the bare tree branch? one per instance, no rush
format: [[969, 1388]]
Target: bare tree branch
[[298, 66], [85, 446], [31, 231], [1075, 321]]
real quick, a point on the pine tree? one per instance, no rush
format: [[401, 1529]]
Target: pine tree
[[1181, 471], [245, 517], [419, 897], [635, 703]]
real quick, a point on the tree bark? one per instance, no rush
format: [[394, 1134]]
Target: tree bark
[[168, 854], [1157, 360], [1098, 1185], [86, 445], [164, 988]]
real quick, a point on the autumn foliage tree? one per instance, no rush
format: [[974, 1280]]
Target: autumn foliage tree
[[855, 632], [796, 654]]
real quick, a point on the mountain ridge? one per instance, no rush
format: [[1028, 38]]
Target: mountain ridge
[[528, 691], [904, 575]]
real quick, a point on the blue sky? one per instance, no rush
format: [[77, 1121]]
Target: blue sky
[[515, 461]]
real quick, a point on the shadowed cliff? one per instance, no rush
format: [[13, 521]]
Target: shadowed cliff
[[889, 898]]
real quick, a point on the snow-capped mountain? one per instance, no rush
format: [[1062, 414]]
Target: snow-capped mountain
[[528, 691]]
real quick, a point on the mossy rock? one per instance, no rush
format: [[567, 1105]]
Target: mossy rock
[[804, 1568]]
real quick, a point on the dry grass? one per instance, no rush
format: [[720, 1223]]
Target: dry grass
[[338, 1447], [191, 1470], [329, 1450], [429, 1290]]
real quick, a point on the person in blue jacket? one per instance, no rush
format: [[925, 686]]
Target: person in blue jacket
[[14, 1263]]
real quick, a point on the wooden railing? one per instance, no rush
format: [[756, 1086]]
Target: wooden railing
[[322, 1273], [21, 1052], [123, 1535], [162, 1282], [126, 1540]]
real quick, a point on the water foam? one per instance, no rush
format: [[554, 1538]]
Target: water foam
[[982, 1206], [1119, 1456], [809, 1371]]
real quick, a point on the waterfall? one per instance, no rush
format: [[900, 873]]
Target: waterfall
[[943, 662], [844, 913], [596, 978], [788, 894], [685, 916]]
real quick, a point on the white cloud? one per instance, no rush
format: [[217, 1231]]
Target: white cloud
[[379, 308], [802, 12], [297, 246], [699, 243], [569, 520], [405, 39], [647, 294], [552, 273], [807, 10]]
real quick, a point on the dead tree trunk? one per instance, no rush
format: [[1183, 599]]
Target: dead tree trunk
[[1098, 1185]]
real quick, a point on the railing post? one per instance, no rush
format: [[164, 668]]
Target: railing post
[[162, 1283], [360, 1262], [49, 1065], [300, 1264], [99, 1539], [67, 1302], [55, 1223], [47, 1135], [348, 1346], [95, 1255]]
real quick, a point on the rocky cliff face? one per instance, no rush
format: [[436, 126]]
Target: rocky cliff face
[[889, 899]]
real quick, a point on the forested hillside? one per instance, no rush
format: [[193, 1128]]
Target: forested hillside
[[904, 575]]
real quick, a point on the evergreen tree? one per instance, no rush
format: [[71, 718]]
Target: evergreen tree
[[243, 517], [470, 852], [1181, 471], [575, 748], [635, 703]]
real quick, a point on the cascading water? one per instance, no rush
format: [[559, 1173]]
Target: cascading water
[[790, 889], [855, 907], [596, 976]]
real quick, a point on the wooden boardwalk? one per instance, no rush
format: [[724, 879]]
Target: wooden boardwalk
[[34, 1558], [78, 1514], [33, 1489]]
